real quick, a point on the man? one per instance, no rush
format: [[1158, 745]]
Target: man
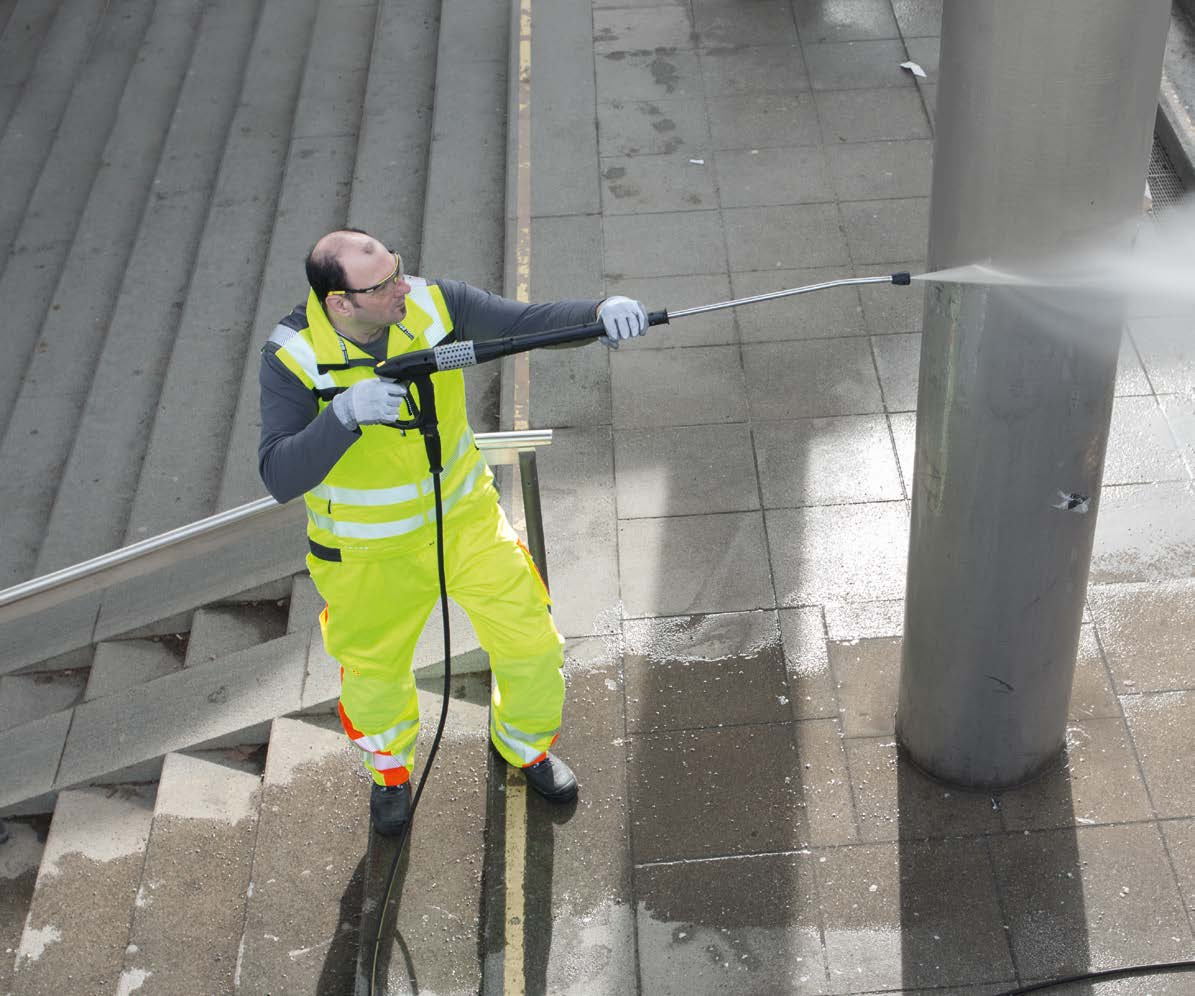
[[371, 513]]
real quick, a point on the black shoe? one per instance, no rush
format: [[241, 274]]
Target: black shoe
[[390, 808], [553, 779]]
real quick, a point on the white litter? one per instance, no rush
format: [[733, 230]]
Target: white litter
[[913, 68], [697, 162]]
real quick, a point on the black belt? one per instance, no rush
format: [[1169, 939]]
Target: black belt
[[321, 552]]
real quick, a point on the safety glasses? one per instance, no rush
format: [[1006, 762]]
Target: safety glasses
[[394, 277]]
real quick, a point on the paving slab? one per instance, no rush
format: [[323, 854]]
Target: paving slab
[[652, 127], [730, 71], [887, 230], [730, 925], [1145, 532], [871, 170], [1160, 724], [1141, 447], [826, 461], [889, 924], [763, 121], [682, 382], [655, 74], [96, 848], [828, 314], [1092, 694], [829, 806], [840, 553], [898, 362], [644, 183], [871, 115], [766, 176], [679, 565], [301, 929], [676, 293], [857, 65], [756, 23], [562, 102], [759, 238], [887, 308], [1112, 893], [815, 378], [714, 792], [1097, 780], [207, 808], [1146, 632], [223, 703], [635, 29], [580, 530], [692, 672], [810, 681], [665, 244], [684, 470], [854, 21]]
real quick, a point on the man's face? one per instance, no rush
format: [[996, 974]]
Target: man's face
[[374, 266]]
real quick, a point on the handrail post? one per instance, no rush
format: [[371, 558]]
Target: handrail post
[[533, 512]]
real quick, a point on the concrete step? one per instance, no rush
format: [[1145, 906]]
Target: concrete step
[[390, 171], [123, 664], [466, 189], [190, 908], [122, 384], [313, 199], [31, 696], [77, 232], [78, 924], [19, 859], [21, 39], [301, 929], [32, 126], [185, 452], [220, 630], [226, 702]]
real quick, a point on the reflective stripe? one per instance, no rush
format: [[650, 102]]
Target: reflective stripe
[[281, 335], [397, 527], [301, 350], [384, 762], [381, 741], [519, 742], [422, 296], [389, 496]]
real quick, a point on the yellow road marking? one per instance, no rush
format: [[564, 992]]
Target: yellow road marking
[[513, 983]]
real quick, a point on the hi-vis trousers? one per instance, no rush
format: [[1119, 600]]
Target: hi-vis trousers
[[377, 609]]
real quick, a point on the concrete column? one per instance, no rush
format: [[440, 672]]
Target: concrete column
[[1044, 121]]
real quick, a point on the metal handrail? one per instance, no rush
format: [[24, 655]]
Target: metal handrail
[[140, 557]]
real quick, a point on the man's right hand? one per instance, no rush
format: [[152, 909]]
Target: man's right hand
[[369, 402]]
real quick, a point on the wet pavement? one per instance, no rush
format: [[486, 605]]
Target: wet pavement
[[727, 520]]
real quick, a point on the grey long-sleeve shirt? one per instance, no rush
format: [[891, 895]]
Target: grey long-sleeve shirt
[[300, 444]]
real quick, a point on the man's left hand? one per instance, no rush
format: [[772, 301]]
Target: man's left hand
[[623, 319]]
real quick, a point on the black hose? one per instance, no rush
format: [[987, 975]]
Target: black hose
[[431, 754], [1110, 973]]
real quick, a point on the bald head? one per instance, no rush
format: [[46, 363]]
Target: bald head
[[338, 257]]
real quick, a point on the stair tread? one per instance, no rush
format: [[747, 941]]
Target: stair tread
[[301, 929], [95, 849], [122, 381], [197, 867]]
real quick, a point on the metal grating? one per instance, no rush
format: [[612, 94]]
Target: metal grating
[[1165, 185]]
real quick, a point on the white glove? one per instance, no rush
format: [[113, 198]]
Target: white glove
[[368, 402], [623, 319]]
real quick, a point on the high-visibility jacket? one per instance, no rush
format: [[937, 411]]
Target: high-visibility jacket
[[377, 500]]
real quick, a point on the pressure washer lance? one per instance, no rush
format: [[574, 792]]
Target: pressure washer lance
[[416, 368], [467, 353]]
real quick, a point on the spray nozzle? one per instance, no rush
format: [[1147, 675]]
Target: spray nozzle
[[902, 279]]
